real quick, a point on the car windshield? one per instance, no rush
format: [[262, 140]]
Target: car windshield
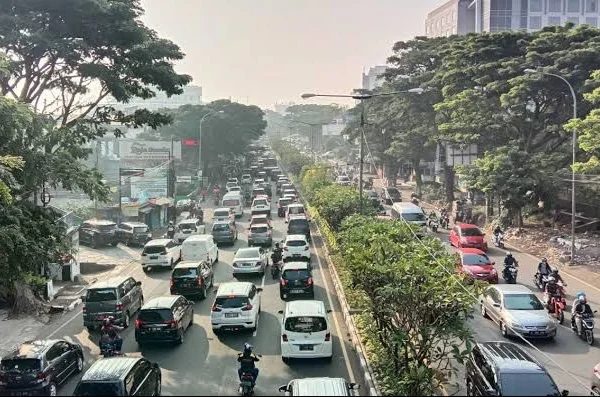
[[246, 176], [155, 315], [256, 192], [219, 227], [414, 217], [187, 226], [298, 224], [259, 229], [140, 229], [296, 274], [475, 260], [222, 214], [185, 272], [97, 389], [296, 210], [231, 302], [522, 302], [295, 243], [284, 202], [260, 202], [154, 249], [527, 384], [235, 188], [231, 202], [245, 253], [20, 364], [471, 231], [305, 324], [101, 295], [107, 228]]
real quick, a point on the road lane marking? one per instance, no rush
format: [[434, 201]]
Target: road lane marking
[[335, 321]]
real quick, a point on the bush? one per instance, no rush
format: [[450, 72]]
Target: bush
[[335, 203]]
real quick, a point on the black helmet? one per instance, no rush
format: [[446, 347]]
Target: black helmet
[[276, 245]]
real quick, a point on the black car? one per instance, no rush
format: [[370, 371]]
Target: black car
[[192, 278], [39, 367], [164, 319], [136, 233], [121, 376], [97, 233], [373, 198], [504, 369], [391, 195], [296, 279], [298, 224]]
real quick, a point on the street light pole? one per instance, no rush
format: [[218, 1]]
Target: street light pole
[[362, 155], [200, 146], [574, 158]]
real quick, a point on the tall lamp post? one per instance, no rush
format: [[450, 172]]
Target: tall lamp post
[[574, 159], [200, 146], [362, 98], [312, 134]]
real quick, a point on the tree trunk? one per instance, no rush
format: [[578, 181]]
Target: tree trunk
[[449, 183], [391, 172], [418, 176], [24, 301]]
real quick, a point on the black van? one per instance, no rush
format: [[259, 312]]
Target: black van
[[298, 224]]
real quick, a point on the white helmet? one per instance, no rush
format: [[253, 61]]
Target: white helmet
[[551, 279]]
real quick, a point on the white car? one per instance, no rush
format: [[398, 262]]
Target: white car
[[236, 307], [296, 247], [246, 179], [223, 214], [187, 228], [235, 188], [260, 205], [160, 253], [343, 180], [259, 183], [229, 185], [305, 331]]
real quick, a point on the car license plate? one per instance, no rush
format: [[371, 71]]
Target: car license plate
[[154, 257], [153, 329], [535, 333], [296, 255], [230, 315], [306, 347], [296, 291], [247, 264]]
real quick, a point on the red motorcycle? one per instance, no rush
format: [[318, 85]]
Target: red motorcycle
[[557, 305]]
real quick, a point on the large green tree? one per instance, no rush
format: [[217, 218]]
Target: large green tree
[[65, 57]]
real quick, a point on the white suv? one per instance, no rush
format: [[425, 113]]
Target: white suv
[[260, 206], [160, 253], [187, 228], [296, 247], [246, 179], [305, 331], [236, 307]]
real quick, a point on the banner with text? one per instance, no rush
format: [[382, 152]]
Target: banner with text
[[148, 150]]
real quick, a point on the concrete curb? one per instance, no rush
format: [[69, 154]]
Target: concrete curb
[[74, 304]]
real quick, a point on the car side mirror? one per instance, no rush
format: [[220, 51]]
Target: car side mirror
[[564, 393], [138, 283], [353, 386], [259, 289], [493, 263], [280, 311], [283, 389]]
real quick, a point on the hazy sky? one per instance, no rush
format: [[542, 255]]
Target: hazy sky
[[267, 51]]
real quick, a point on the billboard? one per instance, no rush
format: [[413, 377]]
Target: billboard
[[147, 187], [148, 150]]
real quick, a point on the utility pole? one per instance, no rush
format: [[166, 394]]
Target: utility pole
[[97, 163], [362, 152]]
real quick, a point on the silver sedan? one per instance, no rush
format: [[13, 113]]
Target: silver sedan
[[250, 260]]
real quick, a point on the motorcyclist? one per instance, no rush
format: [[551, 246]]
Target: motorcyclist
[[247, 361], [552, 289], [557, 276], [171, 230], [581, 308], [277, 254], [497, 232], [544, 269], [509, 261], [110, 333], [575, 302]]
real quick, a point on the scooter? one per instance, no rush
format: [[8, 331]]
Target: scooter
[[536, 281], [246, 384], [499, 240], [587, 327], [275, 266], [510, 274], [434, 224], [109, 350], [557, 306]]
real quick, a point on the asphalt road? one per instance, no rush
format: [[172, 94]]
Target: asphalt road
[[206, 364], [569, 359]]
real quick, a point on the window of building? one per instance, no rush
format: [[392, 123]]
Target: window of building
[[534, 6], [535, 23], [553, 21], [555, 6], [592, 21], [574, 20], [591, 5], [572, 5]]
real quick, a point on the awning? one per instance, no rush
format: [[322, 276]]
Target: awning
[[162, 201], [145, 210]]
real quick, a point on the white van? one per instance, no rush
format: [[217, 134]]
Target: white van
[[320, 387], [200, 247], [235, 201], [412, 214]]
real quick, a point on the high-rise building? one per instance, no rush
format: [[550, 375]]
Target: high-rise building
[[191, 95], [370, 80], [465, 16]]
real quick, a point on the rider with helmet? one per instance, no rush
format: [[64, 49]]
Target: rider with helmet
[[171, 230], [247, 361], [509, 261], [544, 269], [580, 294], [277, 254], [557, 276], [582, 307], [552, 289], [110, 333]]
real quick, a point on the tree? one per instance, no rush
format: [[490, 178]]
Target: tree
[[415, 308], [64, 58], [293, 161], [315, 178], [335, 203]]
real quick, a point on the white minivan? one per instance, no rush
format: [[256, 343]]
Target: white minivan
[[236, 307], [235, 201], [305, 331], [200, 247], [410, 213], [160, 253]]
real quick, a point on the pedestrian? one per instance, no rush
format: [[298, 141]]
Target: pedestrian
[[203, 194]]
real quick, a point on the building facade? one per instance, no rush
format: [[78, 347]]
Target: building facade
[[192, 95], [370, 80], [466, 16]]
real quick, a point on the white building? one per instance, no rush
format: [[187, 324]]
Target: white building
[[370, 80], [192, 95]]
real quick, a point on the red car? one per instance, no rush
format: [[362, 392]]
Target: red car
[[476, 265], [465, 235]]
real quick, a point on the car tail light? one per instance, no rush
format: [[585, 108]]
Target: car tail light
[[327, 337], [306, 248], [284, 337], [215, 308], [247, 307], [309, 281], [139, 323], [199, 280], [171, 323], [171, 282], [41, 376], [119, 306], [283, 282]]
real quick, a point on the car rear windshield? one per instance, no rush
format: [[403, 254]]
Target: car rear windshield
[[106, 228], [471, 231], [247, 253], [284, 202], [256, 192], [522, 302], [527, 384], [231, 203], [296, 274], [155, 315], [259, 229], [414, 217], [295, 243], [219, 227], [20, 364], [187, 226], [101, 295], [296, 210], [140, 229], [231, 302], [97, 389], [154, 249], [305, 324], [260, 202], [475, 260], [185, 272], [298, 224], [221, 213]]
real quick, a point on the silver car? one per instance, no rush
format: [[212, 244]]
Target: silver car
[[250, 260], [517, 310]]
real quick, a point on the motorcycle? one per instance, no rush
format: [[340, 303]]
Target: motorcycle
[[246, 384], [275, 266], [499, 240], [108, 350], [510, 274], [557, 306], [587, 327], [445, 221], [536, 281]]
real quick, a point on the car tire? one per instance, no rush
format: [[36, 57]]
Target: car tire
[[504, 330], [484, 312], [52, 389], [202, 295], [114, 243], [217, 258], [141, 302], [286, 360], [79, 365], [126, 320], [180, 339], [158, 389]]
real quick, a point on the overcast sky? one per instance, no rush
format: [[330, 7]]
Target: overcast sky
[[267, 51]]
